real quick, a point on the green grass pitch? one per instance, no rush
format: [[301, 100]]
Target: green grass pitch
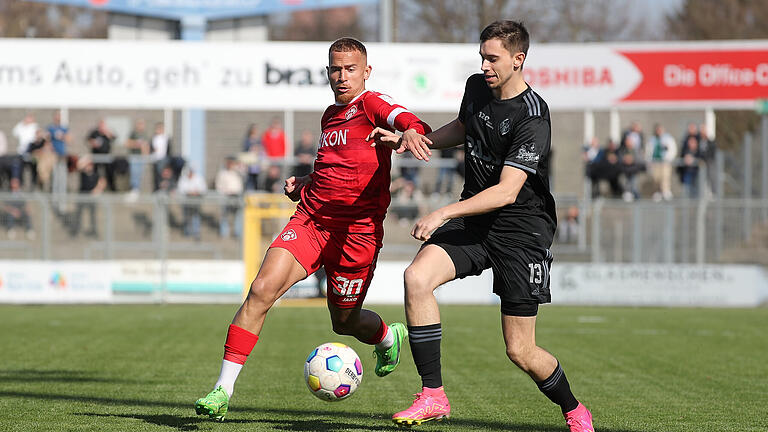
[[140, 368]]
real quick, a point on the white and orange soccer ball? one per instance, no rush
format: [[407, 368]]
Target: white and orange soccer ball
[[333, 371]]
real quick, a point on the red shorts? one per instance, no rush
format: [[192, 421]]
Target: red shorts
[[349, 258]]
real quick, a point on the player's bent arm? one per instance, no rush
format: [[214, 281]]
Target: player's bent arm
[[294, 185], [449, 135], [497, 196]]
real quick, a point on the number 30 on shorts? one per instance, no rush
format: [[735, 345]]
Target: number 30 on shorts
[[346, 287]]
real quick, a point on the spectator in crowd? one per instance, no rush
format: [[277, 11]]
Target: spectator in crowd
[[138, 146], [631, 165], [691, 132], [192, 187], [100, 141], [661, 153], [91, 183], [305, 153], [606, 167], [689, 167], [159, 146], [273, 139], [59, 135], [568, 228], [24, 132], [591, 151], [408, 170], [273, 183], [634, 135], [60, 139], [42, 158], [15, 213], [229, 183], [446, 173], [407, 201], [708, 150], [253, 157], [167, 181], [7, 162]]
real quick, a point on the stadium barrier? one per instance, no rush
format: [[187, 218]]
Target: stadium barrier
[[187, 281]]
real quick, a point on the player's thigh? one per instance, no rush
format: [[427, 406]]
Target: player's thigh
[[519, 332], [430, 268], [279, 271], [454, 251], [350, 261], [291, 257]]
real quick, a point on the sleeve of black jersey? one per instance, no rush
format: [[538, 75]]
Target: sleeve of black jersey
[[530, 144]]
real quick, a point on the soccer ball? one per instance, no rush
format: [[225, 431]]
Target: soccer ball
[[333, 371]]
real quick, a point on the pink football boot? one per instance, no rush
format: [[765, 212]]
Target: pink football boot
[[430, 404], [579, 420]]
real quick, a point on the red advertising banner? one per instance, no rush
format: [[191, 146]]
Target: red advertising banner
[[699, 75]]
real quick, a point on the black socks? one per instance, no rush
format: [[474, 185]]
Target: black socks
[[425, 347], [557, 389]]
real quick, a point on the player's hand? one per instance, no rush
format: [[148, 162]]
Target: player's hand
[[415, 143], [294, 185], [381, 136], [427, 224]]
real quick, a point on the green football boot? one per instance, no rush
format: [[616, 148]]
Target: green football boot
[[387, 360], [214, 405]]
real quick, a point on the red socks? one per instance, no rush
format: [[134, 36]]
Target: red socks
[[379, 335], [239, 344]]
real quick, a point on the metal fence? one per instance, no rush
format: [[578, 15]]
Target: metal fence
[[113, 226]]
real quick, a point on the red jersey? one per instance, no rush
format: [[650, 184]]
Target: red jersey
[[350, 182]]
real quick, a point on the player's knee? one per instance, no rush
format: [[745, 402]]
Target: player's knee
[[415, 281], [260, 291], [519, 355], [342, 327]]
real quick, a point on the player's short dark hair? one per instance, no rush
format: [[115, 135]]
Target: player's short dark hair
[[347, 44], [513, 35]]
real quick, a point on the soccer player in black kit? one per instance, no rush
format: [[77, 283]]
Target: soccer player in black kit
[[505, 221]]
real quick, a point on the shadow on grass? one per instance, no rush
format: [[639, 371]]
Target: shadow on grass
[[324, 421], [185, 423], [58, 375]]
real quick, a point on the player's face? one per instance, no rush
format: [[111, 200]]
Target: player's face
[[347, 72], [499, 65]]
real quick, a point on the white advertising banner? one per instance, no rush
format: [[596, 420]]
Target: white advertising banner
[[571, 284], [423, 77], [605, 284], [55, 282], [188, 276], [659, 285]]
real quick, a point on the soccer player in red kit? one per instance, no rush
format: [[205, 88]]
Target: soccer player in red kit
[[338, 223]]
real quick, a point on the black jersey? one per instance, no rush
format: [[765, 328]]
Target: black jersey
[[514, 132]]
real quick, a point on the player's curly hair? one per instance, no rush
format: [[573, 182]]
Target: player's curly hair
[[513, 35], [347, 44]]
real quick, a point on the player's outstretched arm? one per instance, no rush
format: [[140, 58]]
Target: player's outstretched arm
[[294, 185], [449, 135], [499, 195], [411, 141]]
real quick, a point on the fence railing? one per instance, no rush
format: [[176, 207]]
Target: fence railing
[[112, 226]]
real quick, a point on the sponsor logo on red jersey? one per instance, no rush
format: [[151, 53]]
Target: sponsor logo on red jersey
[[350, 112], [289, 235], [333, 138]]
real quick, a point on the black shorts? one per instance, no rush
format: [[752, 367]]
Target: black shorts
[[520, 273]]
